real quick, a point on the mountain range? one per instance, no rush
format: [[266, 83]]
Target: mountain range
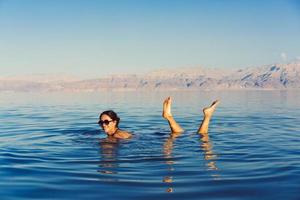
[[276, 76]]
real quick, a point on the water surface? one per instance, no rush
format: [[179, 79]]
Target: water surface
[[52, 148]]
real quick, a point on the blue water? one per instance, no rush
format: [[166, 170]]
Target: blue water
[[52, 148]]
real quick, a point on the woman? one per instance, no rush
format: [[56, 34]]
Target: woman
[[109, 121]]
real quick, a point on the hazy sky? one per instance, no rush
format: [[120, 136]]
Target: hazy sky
[[94, 38]]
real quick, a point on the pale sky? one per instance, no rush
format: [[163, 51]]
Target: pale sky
[[94, 38]]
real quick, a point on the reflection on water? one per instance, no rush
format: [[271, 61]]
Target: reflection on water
[[209, 155], [109, 148], [109, 152], [168, 150]]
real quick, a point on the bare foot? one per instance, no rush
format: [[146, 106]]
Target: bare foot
[[208, 111], [167, 108]]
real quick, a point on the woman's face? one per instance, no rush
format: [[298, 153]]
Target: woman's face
[[108, 125]]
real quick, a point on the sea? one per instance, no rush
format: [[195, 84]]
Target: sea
[[51, 146]]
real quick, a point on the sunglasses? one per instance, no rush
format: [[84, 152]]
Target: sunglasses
[[106, 122]]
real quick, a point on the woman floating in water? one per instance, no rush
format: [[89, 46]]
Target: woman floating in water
[[109, 121]]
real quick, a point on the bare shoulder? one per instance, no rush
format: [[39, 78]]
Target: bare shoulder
[[122, 134]]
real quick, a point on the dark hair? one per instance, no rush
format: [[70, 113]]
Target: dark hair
[[112, 115]]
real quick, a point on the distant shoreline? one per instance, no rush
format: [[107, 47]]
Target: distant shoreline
[[270, 77]]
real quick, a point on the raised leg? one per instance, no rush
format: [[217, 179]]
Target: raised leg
[[175, 128], [208, 112]]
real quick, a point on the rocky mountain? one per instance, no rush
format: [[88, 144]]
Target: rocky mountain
[[278, 76]]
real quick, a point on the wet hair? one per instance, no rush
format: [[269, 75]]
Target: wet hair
[[112, 115]]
